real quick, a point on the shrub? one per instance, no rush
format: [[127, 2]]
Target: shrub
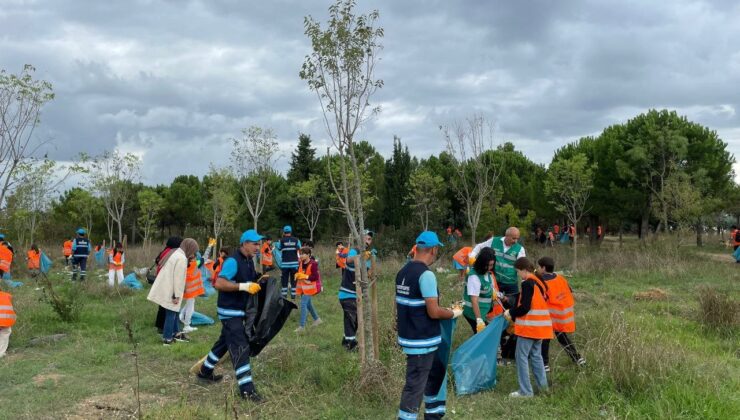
[[717, 311], [65, 301]]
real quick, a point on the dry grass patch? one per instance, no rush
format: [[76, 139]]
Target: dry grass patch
[[652, 294]]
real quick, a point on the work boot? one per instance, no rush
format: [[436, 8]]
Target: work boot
[[211, 377], [182, 337], [351, 345], [252, 396]]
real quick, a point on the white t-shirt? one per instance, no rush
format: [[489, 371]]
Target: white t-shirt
[[489, 244], [473, 286]]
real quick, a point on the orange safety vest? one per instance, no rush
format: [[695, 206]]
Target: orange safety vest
[[461, 256], [34, 260], [217, 270], [556, 229], [116, 264], [7, 314], [266, 255], [6, 258], [341, 262], [67, 248], [551, 236], [733, 237], [561, 303], [572, 231], [305, 286], [193, 282], [536, 324]]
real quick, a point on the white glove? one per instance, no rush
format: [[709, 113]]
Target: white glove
[[249, 287], [507, 316], [456, 312], [479, 325]]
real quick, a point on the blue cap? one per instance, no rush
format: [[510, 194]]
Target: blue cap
[[428, 239], [80, 231], [287, 229], [250, 236], [2, 236]]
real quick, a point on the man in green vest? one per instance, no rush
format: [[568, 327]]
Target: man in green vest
[[508, 250]]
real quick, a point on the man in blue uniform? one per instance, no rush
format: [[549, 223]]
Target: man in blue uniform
[[288, 247], [237, 283], [419, 331], [80, 252]]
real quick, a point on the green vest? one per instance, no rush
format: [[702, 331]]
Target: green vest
[[505, 272], [484, 298]]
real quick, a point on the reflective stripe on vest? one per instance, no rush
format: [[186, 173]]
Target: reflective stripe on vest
[[561, 304], [193, 282], [504, 270], [7, 314]]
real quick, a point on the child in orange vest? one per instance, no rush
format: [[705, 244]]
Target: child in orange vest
[[561, 304], [7, 320], [67, 249], [193, 289], [116, 258], [532, 324], [34, 261], [308, 281]]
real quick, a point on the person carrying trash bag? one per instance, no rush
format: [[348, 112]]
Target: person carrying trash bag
[[237, 285], [561, 304], [481, 292], [532, 324], [419, 331]]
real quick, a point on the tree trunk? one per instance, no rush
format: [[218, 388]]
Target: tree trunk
[[374, 309], [360, 311], [575, 248], [621, 232], [645, 226], [699, 241]]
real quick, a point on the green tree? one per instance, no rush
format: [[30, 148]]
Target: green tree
[[569, 183], [303, 162], [222, 202], [308, 199], [427, 197], [341, 70], [21, 99], [150, 206], [397, 173]]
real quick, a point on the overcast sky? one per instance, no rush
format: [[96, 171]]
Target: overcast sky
[[174, 80]]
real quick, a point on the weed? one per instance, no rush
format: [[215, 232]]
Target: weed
[[717, 311]]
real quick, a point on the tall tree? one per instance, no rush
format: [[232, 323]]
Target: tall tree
[[309, 201], [303, 161], [21, 100], [569, 183], [253, 158], [475, 172], [397, 173], [150, 206], [341, 70], [220, 184], [111, 176]]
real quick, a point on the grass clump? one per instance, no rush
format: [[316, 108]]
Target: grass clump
[[717, 311]]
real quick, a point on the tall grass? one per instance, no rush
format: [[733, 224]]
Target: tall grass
[[718, 311]]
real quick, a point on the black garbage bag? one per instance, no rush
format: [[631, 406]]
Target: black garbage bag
[[267, 312]]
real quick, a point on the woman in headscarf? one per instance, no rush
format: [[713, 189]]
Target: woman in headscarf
[[172, 243], [169, 287]]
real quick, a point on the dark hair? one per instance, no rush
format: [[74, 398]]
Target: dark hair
[[226, 250], [34, 247], [548, 263], [267, 238], [305, 250], [523, 263], [308, 244], [339, 243], [485, 256], [173, 242]]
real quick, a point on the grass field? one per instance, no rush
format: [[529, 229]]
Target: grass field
[[647, 358]]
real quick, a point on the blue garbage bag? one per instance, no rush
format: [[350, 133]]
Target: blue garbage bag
[[436, 404], [132, 282], [277, 258], [100, 256], [210, 291], [737, 254], [564, 238], [200, 319], [474, 362], [9, 281], [45, 263]]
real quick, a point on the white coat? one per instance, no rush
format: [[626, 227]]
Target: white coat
[[170, 282]]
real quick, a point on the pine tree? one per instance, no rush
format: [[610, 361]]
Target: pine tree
[[397, 173], [303, 161]]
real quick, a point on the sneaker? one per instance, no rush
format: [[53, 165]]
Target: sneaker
[[252, 396], [168, 342], [182, 337], [299, 329], [547, 368], [317, 322], [581, 362], [210, 377], [189, 329], [516, 394]]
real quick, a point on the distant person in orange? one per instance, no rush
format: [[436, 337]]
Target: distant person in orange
[[266, 255], [6, 256], [460, 261], [599, 232], [116, 259], [67, 249], [7, 320], [735, 237], [340, 257], [33, 259]]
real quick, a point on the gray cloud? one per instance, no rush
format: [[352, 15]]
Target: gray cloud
[[174, 80]]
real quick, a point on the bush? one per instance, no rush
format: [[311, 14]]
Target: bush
[[65, 301], [717, 311]]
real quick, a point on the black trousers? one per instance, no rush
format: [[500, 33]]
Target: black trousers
[[567, 344], [288, 277], [159, 322], [424, 376], [234, 340], [349, 306], [79, 265], [508, 341]]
